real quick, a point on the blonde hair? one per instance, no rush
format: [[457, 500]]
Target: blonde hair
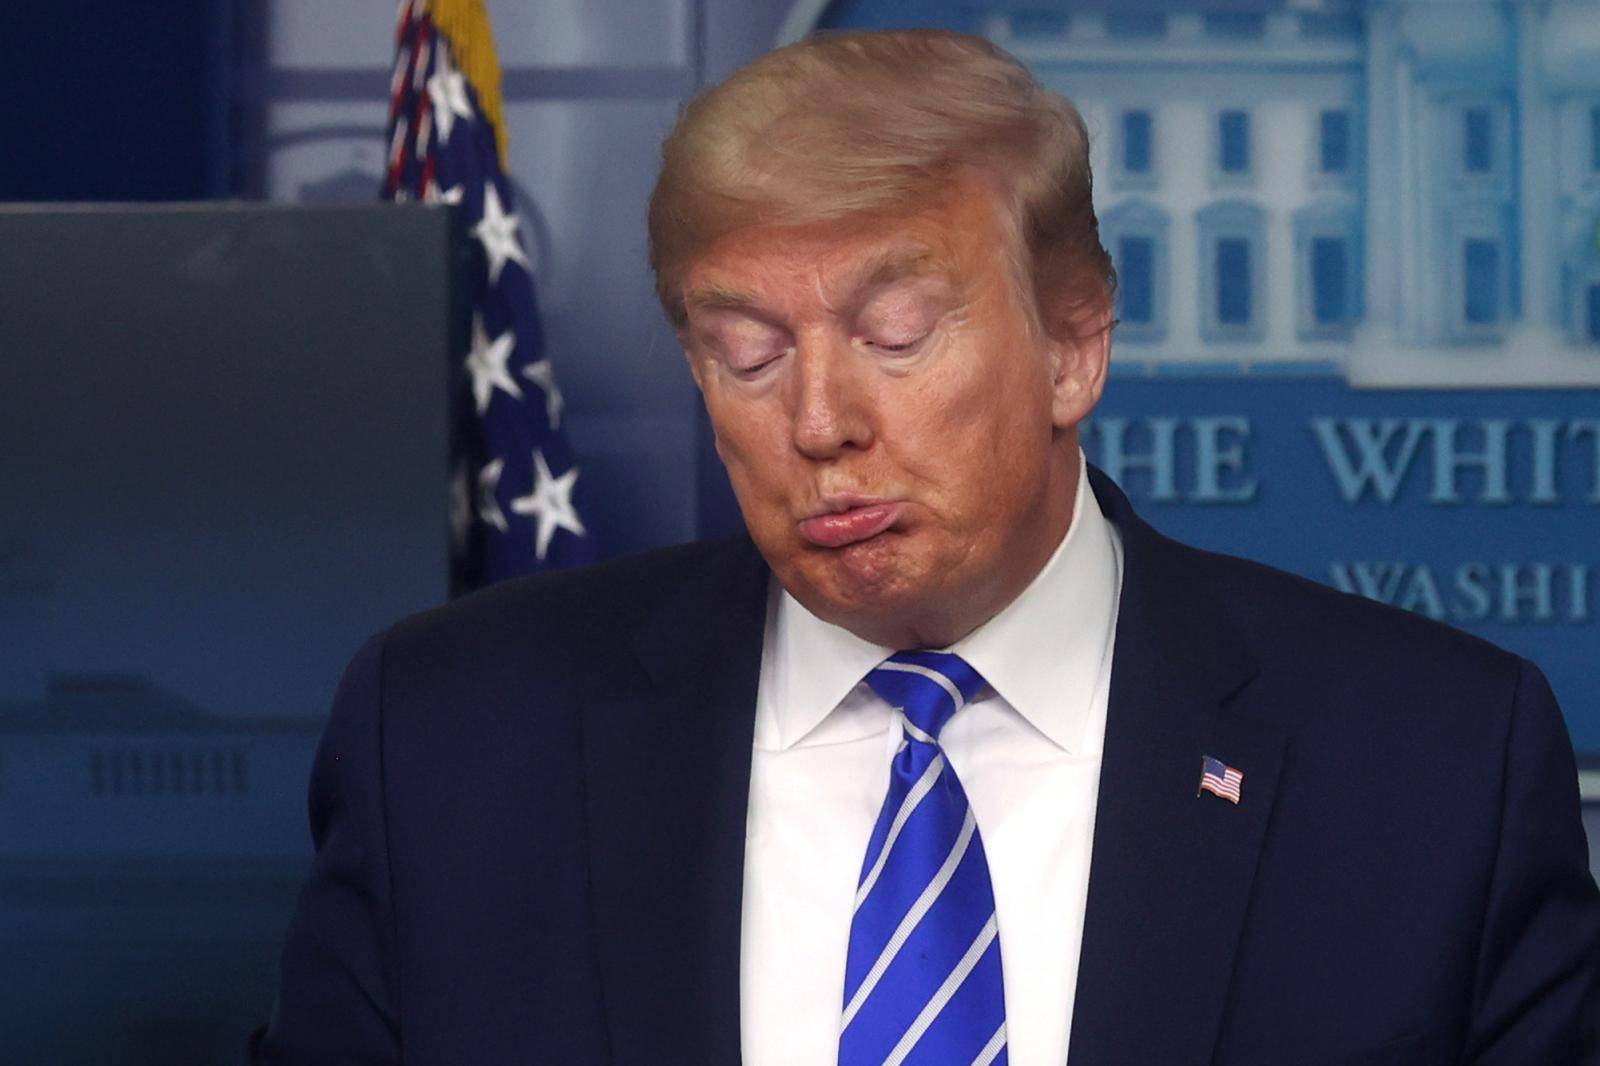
[[882, 123]]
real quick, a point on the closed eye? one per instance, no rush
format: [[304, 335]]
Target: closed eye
[[753, 370], [906, 346]]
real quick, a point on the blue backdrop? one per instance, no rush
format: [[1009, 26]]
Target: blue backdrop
[[1476, 508]]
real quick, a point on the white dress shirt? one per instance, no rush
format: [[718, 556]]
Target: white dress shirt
[[1027, 752]]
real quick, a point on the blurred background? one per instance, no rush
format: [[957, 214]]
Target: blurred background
[[250, 412]]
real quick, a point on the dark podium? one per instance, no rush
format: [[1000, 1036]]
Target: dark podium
[[223, 430]]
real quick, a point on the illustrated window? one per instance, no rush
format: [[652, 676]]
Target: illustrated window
[[1138, 149], [1135, 233], [1594, 139], [1477, 140], [1480, 272], [1233, 272], [1333, 142], [1233, 143]]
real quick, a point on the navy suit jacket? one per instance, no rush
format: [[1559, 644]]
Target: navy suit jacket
[[529, 814]]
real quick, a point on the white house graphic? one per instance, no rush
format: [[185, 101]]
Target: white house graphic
[[1406, 191], [151, 855]]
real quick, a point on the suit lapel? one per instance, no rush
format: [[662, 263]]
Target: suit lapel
[[1171, 872], [667, 751]]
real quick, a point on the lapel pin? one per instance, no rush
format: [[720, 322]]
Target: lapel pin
[[1219, 779]]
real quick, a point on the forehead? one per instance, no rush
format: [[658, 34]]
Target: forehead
[[957, 238]]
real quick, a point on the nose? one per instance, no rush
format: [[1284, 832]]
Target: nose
[[830, 411]]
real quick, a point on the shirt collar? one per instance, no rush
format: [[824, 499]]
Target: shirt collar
[[808, 667], [1044, 653]]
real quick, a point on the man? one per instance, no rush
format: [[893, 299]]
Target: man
[[953, 759]]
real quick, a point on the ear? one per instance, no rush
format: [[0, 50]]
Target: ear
[[1081, 359]]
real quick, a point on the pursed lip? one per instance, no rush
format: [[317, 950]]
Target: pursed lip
[[843, 520]]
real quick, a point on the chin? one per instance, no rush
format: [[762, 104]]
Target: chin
[[871, 579]]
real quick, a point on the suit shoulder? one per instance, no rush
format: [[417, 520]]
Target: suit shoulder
[[565, 606], [1315, 626]]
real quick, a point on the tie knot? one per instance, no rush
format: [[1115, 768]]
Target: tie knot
[[927, 686]]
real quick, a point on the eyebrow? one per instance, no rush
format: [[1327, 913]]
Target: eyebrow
[[897, 265], [894, 265], [719, 297]]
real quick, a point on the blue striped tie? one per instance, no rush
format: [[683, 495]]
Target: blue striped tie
[[922, 983]]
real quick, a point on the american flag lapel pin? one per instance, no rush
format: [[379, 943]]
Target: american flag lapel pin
[[1219, 779]]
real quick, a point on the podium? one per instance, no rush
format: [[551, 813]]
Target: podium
[[224, 430]]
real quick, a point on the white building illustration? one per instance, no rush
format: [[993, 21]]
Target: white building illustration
[[149, 857], [1407, 192]]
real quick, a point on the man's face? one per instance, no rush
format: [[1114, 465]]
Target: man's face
[[903, 446]]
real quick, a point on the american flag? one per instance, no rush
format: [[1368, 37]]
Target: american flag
[[1219, 779], [514, 484]]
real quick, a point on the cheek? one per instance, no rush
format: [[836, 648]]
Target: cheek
[[977, 448], [752, 444]]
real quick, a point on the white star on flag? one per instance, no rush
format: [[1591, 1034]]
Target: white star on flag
[[448, 91], [487, 362], [488, 505], [543, 375], [550, 503], [506, 408], [432, 194], [498, 234]]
